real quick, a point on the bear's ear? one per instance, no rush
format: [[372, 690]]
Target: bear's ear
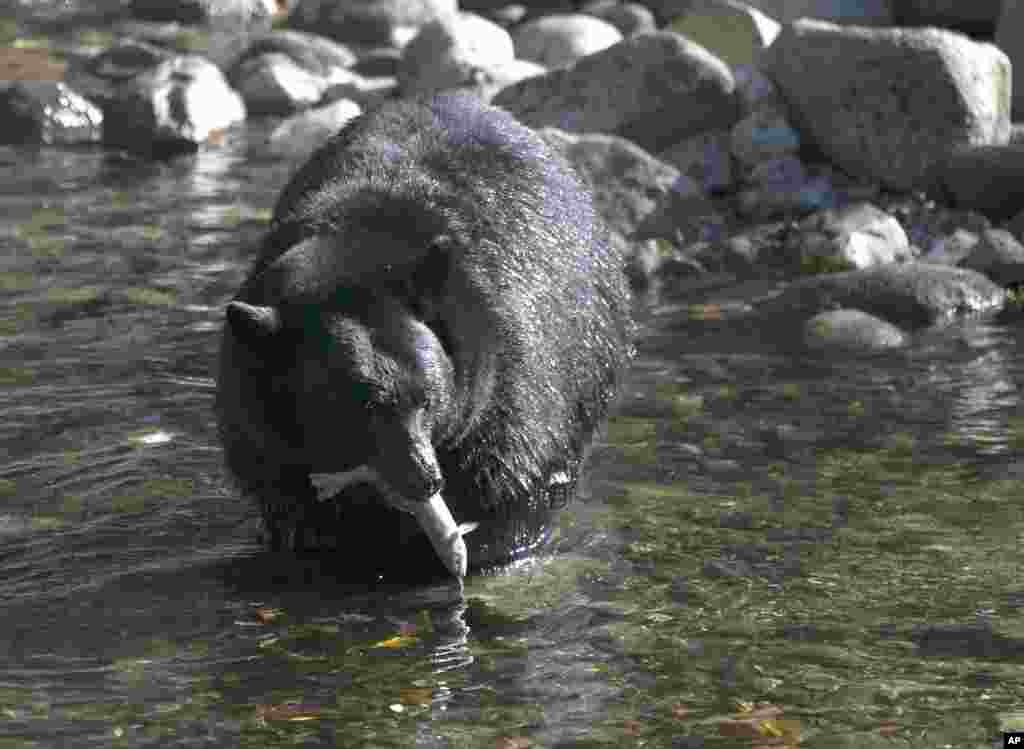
[[252, 324]]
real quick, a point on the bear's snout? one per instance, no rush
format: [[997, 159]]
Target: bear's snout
[[405, 456]]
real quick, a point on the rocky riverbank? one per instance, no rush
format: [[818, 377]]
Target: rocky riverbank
[[865, 170]]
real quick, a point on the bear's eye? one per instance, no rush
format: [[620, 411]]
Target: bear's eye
[[408, 395]]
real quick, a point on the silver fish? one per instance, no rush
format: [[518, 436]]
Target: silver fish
[[433, 516], [445, 536]]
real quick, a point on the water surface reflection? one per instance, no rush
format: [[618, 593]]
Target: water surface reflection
[[768, 543]]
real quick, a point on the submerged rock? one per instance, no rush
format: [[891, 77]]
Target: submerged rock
[[907, 295], [48, 113], [851, 329]]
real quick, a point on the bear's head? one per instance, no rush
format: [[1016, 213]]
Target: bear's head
[[348, 379]]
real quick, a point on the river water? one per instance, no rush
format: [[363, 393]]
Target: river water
[[772, 549]]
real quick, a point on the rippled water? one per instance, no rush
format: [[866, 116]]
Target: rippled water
[[773, 550]]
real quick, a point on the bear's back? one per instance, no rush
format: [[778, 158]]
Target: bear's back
[[451, 153]]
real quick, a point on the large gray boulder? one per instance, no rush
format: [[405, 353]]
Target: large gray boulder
[[654, 89], [628, 18], [889, 103], [369, 22], [735, 32], [861, 12], [1010, 39], [986, 179], [252, 13], [969, 16]]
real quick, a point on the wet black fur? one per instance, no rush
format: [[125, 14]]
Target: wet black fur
[[452, 215]]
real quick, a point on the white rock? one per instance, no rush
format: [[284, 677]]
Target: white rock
[[452, 52], [558, 40], [177, 105]]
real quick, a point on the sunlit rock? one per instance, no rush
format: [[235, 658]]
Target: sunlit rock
[[558, 40], [851, 329], [654, 89], [175, 107], [890, 103], [48, 112], [453, 52], [905, 294]]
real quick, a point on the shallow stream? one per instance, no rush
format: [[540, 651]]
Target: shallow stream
[[772, 549]]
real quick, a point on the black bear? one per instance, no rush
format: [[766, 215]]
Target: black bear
[[435, 318]]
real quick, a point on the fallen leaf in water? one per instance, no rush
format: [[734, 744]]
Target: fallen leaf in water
[[746, 729], [415, 695], [704, 312], [290, 712], [216, 136], [512, 742], [632, 727], [267, 615], [23, 62], [889, 728], [762, 724], [680, 711], [398, 641], [788, 731]]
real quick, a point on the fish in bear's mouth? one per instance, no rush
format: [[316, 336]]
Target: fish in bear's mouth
[[433, 515]]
